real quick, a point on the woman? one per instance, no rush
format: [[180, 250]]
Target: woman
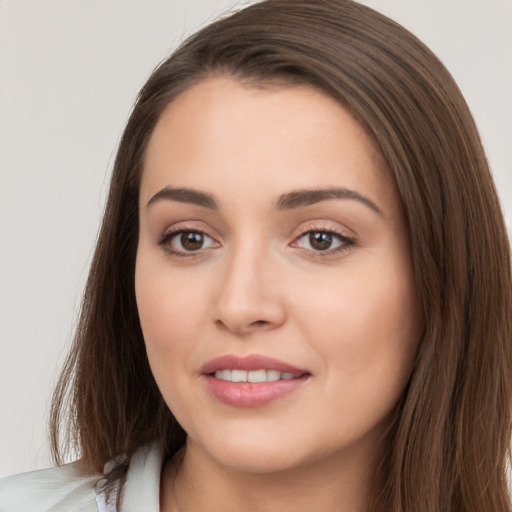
[[301, 293]]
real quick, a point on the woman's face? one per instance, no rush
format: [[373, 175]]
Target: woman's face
[[273, 277]]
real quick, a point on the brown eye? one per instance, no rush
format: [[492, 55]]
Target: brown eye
[[320, 240], [191, 241], [186, 242]]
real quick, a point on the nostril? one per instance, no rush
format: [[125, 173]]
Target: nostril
[[241, 328], [258, 325]]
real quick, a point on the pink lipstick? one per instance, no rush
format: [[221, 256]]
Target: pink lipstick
[[251, 381]]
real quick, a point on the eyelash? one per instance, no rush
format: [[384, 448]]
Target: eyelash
[[165, 239], [346, 243]]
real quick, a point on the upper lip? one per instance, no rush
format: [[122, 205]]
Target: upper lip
[[250, 362]]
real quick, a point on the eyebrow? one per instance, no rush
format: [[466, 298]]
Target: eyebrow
[[298, 198], [184, 195], [288, 201]]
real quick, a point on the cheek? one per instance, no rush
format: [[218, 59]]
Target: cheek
[[366, 330], [169, 311]]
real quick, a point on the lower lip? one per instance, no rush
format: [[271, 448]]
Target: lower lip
[[251, 394]]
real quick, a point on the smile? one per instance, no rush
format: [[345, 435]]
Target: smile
[[254, 376], [251, 381]]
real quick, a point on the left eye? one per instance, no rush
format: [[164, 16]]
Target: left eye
[[323, 241], [187, 241]]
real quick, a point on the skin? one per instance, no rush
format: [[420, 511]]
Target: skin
[[349, 314]]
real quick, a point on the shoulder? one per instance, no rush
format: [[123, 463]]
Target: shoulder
[[58, 489], [69, 488]]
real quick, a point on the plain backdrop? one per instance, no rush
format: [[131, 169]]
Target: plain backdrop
[[69, 72]]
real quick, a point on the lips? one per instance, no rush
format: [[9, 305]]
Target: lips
[[251, 381], [248, 363]]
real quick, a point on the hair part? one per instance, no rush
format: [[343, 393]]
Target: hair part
[[448, 446]]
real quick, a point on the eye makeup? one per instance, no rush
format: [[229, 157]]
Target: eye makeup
[[319, 241]]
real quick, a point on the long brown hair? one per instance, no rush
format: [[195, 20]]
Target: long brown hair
[[448, 447]]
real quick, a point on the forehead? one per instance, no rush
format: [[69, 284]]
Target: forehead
[[220, 132]]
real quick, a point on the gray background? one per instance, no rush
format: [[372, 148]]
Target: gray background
[[69, 72]]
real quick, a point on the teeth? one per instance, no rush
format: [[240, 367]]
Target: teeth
[[254, 375], [257, 376], [225, 375], [273, 375], [238, 376]]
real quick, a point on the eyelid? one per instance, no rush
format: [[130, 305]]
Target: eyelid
[[348, 242], [164, 240]]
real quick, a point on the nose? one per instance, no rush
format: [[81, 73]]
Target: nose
[[249, 298]]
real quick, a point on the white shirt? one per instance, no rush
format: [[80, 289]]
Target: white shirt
[[68, 489]]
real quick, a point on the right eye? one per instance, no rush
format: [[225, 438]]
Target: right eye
[[181, 242]]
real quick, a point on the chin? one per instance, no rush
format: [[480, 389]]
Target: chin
[[252, 453], [257, 461]]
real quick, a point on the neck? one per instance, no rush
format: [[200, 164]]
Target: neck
[[200, 484]]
